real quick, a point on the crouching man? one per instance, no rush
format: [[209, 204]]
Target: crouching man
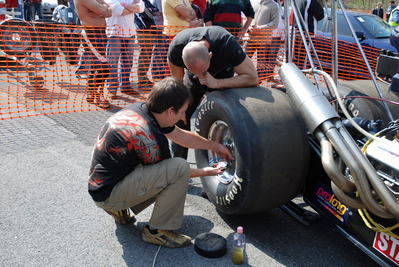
[[132, 167]]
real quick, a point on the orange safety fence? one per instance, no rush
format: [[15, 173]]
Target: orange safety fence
[[40, 71]]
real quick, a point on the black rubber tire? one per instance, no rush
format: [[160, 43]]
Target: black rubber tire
[[17, 37], [269, 142], [368, 108]]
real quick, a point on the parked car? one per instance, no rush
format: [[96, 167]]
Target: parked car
[[370, 29], [373, 35]]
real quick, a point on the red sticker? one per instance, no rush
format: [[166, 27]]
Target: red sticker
[[387, 245]]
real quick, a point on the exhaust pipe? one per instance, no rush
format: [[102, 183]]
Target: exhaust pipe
[[324, 123]]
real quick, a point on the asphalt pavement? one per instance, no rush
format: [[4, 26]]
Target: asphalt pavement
[[47, 218]]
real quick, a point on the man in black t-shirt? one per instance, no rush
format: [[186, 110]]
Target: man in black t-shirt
[[212, 56], [132, 168]]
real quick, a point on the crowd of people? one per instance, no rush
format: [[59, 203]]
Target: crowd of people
[[148, 27], [391, 15]]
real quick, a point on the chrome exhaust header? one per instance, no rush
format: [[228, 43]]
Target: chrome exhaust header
[[364, 188]]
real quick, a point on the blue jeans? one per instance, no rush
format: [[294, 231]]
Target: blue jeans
[[159, 63], [272, 51], [27, 12], [36, 8], [120, 56]]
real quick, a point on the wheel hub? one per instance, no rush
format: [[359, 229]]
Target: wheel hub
[[220, 132]]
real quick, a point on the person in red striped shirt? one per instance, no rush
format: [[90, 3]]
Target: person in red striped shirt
[[227, 13]]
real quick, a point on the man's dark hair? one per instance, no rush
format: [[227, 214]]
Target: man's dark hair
[[392, 2], [168, 93], [62, 2]]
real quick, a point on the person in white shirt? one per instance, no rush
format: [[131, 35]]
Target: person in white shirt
[[121, 32]]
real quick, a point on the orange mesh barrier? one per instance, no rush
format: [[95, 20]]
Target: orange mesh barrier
[[39, 66], [350, 62]]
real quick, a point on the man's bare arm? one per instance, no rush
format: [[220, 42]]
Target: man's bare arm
[[185, 13], [175, 71], [192, 140], [196, 22], [98, 8], [246, 77], [136, 7], [246, 26]]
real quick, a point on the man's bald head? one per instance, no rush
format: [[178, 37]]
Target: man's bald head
[[193, 52], [196, 56]]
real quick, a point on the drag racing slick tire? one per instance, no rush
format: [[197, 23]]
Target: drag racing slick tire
[[269, 143]]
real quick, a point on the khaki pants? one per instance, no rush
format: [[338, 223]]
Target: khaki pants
[[164, 183]]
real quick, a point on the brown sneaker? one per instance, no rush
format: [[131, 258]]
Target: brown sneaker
[[123, 216], [166, 238]]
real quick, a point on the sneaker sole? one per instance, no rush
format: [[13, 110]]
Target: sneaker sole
[[159, 243]]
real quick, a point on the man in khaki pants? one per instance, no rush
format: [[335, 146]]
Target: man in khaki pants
[[132, 168]]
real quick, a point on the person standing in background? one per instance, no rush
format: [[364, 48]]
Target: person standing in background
[[378, 11], [198, 21], [277, 41], [121, 33], [56, 12], [177, 16], [311, 12], [161, 46], [394, 17], [158, 19], [201, 4], [36, 8], [260, 34], [92, 14], [27, 10], [145, 36], [227, 13], [71, 4], [391, 7]]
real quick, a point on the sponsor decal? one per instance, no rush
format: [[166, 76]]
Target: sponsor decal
[[230, 194], [208, 105], [328, 200], [387, 245]]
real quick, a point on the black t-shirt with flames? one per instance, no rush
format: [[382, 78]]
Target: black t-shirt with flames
[[130, 137]]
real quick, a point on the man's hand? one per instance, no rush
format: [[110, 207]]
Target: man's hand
[[207, 79], [211, 171], [224, 152], [184, 18], [254, 29]]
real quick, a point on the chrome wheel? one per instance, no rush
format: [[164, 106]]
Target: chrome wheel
[[220, 132]]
